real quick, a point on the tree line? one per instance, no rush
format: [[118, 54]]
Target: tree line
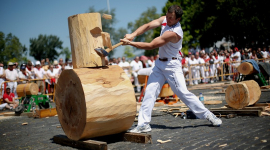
[[244, 23]]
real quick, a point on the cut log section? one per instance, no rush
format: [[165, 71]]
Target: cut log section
[[237, 95], [166, 91], [246, 68], [83, 42], [254, 91], [27, 89], [93, 102]]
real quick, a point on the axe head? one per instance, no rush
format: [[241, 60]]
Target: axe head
[[101, 52]]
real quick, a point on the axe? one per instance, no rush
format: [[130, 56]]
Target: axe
[[105, 52]]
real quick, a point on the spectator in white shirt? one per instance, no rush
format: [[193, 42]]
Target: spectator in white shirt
[[125, 66], [264, 53], [136, 65], [69, 65], [151, 61], [12, 76], [202, 66], [197, 67], [53, 75], [40, 74], [57, 67], [2, 79], [30, 70], [23, 74], [61, 62], [236, 56], [193, 61]]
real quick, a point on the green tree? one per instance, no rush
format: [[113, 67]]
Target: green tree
[[205, 22], [66, 52], [108, 26], [147, 16], [128, 52], [45, 47], [11, 49]]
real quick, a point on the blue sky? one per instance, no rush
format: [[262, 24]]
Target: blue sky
[[28, 18]]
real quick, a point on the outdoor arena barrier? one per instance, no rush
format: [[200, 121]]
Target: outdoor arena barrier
[[232, 70]]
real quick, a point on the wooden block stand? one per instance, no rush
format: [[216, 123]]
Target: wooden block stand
[[253, 110], [100, 143]]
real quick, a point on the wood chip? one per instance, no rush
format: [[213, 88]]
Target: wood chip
[[223, 145], [160, 141], [265, 113], [4, 134], [25, 123], [212, 102], [58, 127], [256, 138], [263, 141]]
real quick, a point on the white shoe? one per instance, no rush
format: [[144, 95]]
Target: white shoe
[[143, 128], [214, 120], [211, 81]]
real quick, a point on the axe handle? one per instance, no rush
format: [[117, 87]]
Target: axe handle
[[114, 46]]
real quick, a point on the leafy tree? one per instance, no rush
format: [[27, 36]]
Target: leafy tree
[[107, 26], [66, 52], [45, 47], [11, 49], [205, 22], [128, 52], [147, 16]]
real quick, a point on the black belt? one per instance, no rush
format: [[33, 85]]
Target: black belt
[[166, 59]]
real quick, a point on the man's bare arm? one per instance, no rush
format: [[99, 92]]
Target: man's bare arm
[[142, 29], [168, 36]]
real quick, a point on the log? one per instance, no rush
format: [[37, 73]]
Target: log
[[254, 91], [246, 68], [93, 102], [85, 35], [237, 95], [166, 91], [27, 89]]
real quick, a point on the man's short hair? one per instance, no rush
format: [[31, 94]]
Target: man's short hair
[[177, 10]]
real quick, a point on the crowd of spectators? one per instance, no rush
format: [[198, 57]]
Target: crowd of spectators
[[202, 66], [44, 73]]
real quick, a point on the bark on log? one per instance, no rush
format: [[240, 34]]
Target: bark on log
[[237, 95], [93, 102], [83, 41], [246, 68], [27, 89], [254, 91]]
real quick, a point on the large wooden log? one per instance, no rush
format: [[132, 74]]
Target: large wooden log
[[83, 41], [237, 95], [93, 102], [254, 91], [27, 89], [246, 68]]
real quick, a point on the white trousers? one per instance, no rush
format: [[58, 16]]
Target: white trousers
[[172, 72], [202, 73], [212, 70], [13, 86], [136, 81]]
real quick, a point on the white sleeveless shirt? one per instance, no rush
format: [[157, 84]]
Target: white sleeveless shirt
[[170, 49]]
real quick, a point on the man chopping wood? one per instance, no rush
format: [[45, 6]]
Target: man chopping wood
[[167, 67]]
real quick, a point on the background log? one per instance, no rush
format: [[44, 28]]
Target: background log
[[93, 102], [254, 91], [83, 42], [27, 89], [237, 95], [246, 68]]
